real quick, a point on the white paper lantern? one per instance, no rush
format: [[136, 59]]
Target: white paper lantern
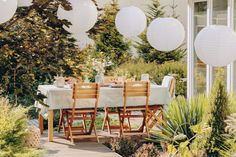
[[83, 15], [83, 40], [216, 45], [24, 3], [131, 21], [165, 34], [7, 9]]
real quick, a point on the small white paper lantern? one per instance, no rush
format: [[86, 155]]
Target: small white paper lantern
[[24, 3], [83, 15], [165, 34], [7, 9], [216, 45], [83, 40], [131, 21]]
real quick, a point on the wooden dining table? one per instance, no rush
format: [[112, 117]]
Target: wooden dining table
[[61, 98]]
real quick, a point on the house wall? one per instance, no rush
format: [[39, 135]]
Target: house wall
[[181, 10]]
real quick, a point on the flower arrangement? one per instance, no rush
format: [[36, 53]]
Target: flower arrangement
[[86, 70], [99, 65], [94, 65]]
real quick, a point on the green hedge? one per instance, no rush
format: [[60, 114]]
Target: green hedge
[[156, 72]]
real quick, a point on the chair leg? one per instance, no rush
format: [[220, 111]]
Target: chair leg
[[64, 124], [108, 124], [121, 123], [40, 119], [129, 113], [60, 120], [84, 122], [147, 128], [105, 118], [71, 134], [68, 123], [141, 128], [106, 121], [95, 132]]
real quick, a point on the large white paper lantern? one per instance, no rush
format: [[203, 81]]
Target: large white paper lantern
[[165, 34], [216, 45], [24, 3], [7, 9], [83, 15], [131, 21]]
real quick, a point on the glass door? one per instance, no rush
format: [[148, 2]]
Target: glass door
[[220, 15], [200, 21]]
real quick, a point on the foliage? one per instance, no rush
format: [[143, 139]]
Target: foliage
[[13, 122], [124, 146], [219, 103], [156, 72], [197, 127], [146, 51], [180, 116], [107, 39], [147, 150], [193, 147], [231, 124], [231, 129], [232, 102], [34, 47]]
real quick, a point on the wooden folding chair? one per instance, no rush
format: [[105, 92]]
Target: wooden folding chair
[[172, 87], [153, 116], [169, 82], [135, 89], [62, 111], [82, 91], [110, 111]]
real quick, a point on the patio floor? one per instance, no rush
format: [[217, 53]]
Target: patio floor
[[64, 148]]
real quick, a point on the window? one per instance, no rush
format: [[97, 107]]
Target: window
[[200, 21], [220, 18]]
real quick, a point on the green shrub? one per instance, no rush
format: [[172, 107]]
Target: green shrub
[[180, 116], [13, 130], [156, 72]]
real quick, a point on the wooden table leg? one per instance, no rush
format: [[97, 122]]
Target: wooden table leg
[[40, 119], [50, 125]]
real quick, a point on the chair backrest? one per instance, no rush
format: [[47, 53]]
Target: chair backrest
[[169, 82], [136, 89], [86, 91]]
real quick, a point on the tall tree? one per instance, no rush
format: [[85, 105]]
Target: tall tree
[[107, 39], [145, 50], [34, 47]]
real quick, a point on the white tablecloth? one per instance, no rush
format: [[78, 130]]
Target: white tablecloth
[[60, 98]]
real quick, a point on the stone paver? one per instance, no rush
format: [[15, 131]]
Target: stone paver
[[64, 148]]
